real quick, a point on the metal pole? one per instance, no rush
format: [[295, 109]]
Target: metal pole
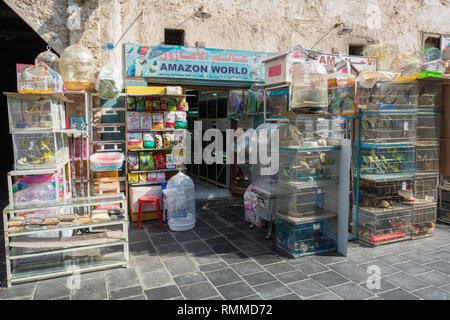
[[358, 167]]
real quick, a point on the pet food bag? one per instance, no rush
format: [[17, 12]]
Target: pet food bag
[[180, 120], [163, 103], [131, 103], [172, 104], [135, 140], [170, 164], [160, 176], [158, 141], [149, 140], [133, 120], [146, 121], [143, 177], [133, 178], [156, 105], [140, 103], [160, 161], [168, 140], [146, 161], [178, 138], [148, 104], [133, 161], [158, 121], [152, 177], [169, 119], [183, 105]]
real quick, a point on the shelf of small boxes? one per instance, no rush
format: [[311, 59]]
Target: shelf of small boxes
[[52, 225]]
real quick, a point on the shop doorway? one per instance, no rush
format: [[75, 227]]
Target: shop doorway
[[18, 44]]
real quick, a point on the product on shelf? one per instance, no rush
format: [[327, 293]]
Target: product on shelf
[[183, 105], [100, 215], [158, 141], [109, 83], [143, 177], [152, 177], [77, 67], [133, 178], [133, 161], [180, 120], [36, 79], [178, 138], [160, 176], [164, 104], [156, 105], [168, 139], [170, 164], [135, 140], [309, 87], [388, 126], [158, 121], [180, 203], [149, 140], [133, 120], [106, 161], [140, 103], [146, 121], [169, 119], [160, 161], [148, 103], [146, 161], [131, 103]]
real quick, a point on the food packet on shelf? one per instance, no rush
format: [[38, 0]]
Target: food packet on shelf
[[158, 141], [169, 119], [149, 140], [133, 120], [146, 121], [133, 178], [180, 120], [135, 140], [158, 121], [133, 161]]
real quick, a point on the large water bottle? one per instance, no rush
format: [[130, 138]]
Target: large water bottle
[[180, 203]]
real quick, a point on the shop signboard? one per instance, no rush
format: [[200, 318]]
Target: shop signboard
[[168, 62], [362, 64]]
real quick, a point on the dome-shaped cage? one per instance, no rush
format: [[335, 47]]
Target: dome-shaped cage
[[180, 203]]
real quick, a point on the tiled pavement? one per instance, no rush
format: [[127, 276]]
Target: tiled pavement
[[223, 259]]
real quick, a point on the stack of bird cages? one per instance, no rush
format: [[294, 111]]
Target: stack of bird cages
[[380, 226], [426, 186], [423, 218], [428, 126], [427, 158], [429, 95], [383, 194]]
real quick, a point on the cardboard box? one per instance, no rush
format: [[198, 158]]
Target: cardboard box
[[145, 90], [444, 157], [137, 192]]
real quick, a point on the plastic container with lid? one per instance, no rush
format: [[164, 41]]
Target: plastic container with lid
[[36, 79], [180, 203], [309, 87], [49, 58], [106, 161], [77, 67], [109, 83]]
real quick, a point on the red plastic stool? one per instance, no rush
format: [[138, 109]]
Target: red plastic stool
[[146, 200]]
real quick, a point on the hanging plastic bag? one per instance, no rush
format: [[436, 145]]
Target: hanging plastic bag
[[109, 83]]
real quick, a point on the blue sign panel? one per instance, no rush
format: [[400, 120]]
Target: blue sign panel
[[193, 63]]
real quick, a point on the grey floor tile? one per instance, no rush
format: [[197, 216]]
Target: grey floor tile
[[213, 266], [186, 236], [406, 281], [384, 268], [290, 277], [221, 277], [121, 278], [206, 258], [325, 296], [217, 241], [126, 293], [328, 258], [252, 297], [359, 258], [159, 278], [137, 235], [291, 296], [225, 230], [171, 251], [392, 258], [307, 288], [272, 289], [206, 232], [329, 278], [214, 298], [446, 288], [259, 278], [245, 268], [196, 247], [61, 298], [253, 249], [163, 293], [94, 289], [311, 267], [383, 286], [198, 291], [189, 278], [397, 294], [350, 271], [153, 228], [162, 239], [235, 257], [177, 266], [280, 267], [53, 288], [435, 278], [236, 290], [412, 267], [148, 263], [266, 258], [442, 266], [441, 255], [351, 291], [432, 293], [141, 248], [226, 248], [419, 257]]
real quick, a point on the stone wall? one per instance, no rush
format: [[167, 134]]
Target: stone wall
[[263, 25]]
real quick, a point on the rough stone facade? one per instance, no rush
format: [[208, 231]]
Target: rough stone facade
[[263, 25]]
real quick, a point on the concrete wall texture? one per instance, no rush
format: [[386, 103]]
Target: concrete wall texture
[[262, 25]]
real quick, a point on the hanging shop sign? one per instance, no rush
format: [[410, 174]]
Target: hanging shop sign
[[193, 63], [362, 64]]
